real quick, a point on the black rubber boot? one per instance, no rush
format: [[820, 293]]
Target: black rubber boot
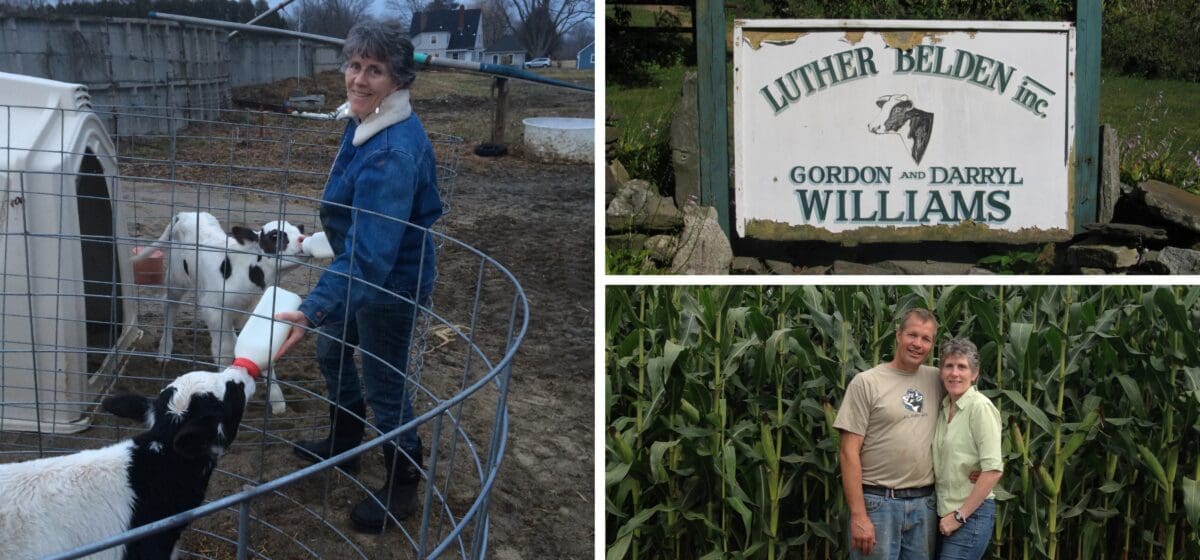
[[399, 492], [346, 431]]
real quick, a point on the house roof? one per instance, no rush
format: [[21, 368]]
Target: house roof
[[462, 24], [508, 43]]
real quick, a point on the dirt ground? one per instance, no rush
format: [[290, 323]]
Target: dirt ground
[[533, 218]]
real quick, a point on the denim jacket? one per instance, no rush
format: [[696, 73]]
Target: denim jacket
[[375, 190]]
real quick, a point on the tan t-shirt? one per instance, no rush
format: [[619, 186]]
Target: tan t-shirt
[[896, 413]]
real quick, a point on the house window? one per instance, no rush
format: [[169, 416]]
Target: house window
[[433, 40], [593, 58]]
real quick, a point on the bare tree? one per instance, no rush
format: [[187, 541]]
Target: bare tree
[[404, 10], [495, 21], [541, 24], [332, 18], [575, 39]]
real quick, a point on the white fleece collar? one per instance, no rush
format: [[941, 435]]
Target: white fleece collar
[[394, 109]]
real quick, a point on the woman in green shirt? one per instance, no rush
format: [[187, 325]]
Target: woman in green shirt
[[967, 439]]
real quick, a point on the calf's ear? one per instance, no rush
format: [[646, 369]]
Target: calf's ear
[[244, 235], [133, 407]]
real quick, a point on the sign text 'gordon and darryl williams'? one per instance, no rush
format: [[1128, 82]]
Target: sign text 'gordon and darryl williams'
[[964, 157]]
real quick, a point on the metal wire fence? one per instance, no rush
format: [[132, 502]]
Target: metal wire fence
[[78, 322]]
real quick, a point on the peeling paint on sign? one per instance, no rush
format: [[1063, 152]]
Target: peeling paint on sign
[[905, 40], [853, 37], [756, 38]]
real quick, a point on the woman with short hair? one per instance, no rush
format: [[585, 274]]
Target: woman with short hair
[[966, 440], [382, 183]]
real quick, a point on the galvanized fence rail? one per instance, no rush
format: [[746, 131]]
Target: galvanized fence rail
[[114, 193]]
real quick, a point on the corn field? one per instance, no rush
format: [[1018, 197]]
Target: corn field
[[720, 401]]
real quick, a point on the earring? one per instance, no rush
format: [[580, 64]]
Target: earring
[[376, 109]]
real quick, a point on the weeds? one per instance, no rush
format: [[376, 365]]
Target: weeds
[[1143, 159], [645, 151]]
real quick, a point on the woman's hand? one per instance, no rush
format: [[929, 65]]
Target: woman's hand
[[299, 327], [947, 525]]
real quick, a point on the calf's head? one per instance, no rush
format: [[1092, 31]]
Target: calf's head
[[195, 417], [275, 238]]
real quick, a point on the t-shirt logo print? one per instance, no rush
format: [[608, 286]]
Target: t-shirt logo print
[[914, 401]]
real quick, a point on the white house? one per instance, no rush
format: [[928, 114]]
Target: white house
[[455, 34], [507, 50]]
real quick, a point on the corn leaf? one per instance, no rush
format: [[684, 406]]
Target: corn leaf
[[615, 473], [1032, 412], [657, 449], [1191, 502], [619, 548], [1156, 468]]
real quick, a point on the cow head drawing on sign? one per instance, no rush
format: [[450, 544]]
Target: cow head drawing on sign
[[898, 116]]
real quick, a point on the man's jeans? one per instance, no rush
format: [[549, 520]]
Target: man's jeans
[[971, 540], [383, 332], [905, 528]]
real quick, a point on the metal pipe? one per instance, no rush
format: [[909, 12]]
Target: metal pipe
[[263, 15], [419, 58]]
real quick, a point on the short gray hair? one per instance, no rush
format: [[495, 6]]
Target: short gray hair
[[962, 348], [386, 42]]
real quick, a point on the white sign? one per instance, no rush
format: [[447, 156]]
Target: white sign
[[904, 130]]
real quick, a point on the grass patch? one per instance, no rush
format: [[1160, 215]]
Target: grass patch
[[645, 125], [1158, 123]]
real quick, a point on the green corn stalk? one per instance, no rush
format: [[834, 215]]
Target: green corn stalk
[[673, 430]]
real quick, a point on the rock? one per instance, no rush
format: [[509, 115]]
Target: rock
[[816, 269], [703, 246], [1172, 204], [632, 242], [926, 267], [1089, 271], [849, 268], [662, 248], [1110, 174], [636, 207], [1108, 257], [1174, 260], [1132, 233], [976, 271], [747, 265], [782, 268], [685, 143], [614, 176]]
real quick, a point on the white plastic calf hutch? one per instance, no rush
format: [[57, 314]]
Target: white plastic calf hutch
[[62, 245]]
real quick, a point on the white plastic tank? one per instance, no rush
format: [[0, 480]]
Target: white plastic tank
[[64, 258], [560, 138]]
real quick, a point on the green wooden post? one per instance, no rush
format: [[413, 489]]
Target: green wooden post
[[1087, 111], [713, 105]]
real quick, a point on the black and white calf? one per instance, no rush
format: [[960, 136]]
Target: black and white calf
[[59, 503], [228, 272], [898, 116]]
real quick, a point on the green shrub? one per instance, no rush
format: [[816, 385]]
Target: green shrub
[[1152, 38]]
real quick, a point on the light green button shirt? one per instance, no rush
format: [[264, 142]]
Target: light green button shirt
[[970, 443]]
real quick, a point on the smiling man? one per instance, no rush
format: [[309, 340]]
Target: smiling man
[[886, 423]]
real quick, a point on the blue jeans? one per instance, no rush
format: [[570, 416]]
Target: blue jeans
[[971, 540], [383, 332], [905, 529]]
